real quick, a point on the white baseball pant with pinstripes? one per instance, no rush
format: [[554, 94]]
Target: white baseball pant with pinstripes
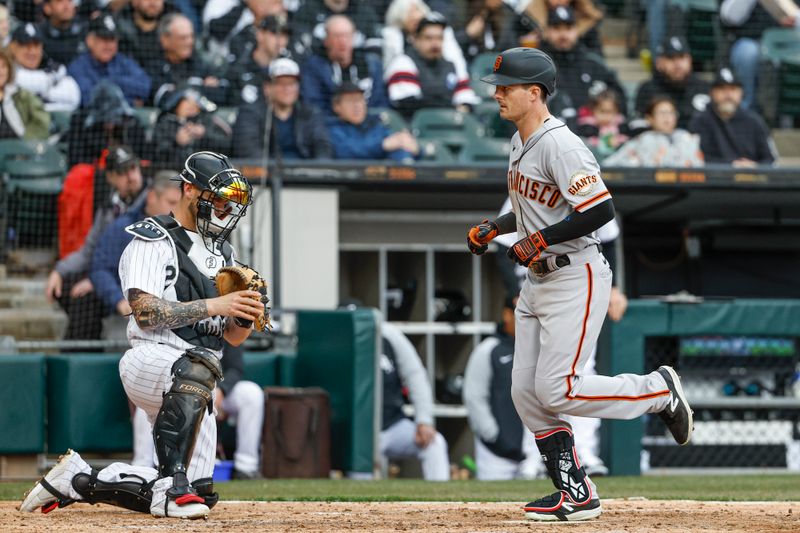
[[146, 374]]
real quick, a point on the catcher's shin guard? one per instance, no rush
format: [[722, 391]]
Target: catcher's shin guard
[[558, 453], [131, 493], [194, 377]]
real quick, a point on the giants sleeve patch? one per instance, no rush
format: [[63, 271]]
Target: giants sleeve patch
[[582, 183]]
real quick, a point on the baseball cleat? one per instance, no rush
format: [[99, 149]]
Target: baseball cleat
[[558, 508], [189, 506], [677, 415], [52, 491]]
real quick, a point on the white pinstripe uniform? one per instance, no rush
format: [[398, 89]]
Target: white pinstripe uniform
[[145, 369], [559, 314]]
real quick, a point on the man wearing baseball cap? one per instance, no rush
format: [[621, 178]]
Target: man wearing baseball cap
[[298, 130], [43, 77], [580, 72], [103, 60], [728, 132], [673, 77], [271, 37]]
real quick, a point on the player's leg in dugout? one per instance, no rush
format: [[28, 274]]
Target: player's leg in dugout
[[246, 403], [492, 467], [397, 442]]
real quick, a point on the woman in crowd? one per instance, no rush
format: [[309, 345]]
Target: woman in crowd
[[22, 114]]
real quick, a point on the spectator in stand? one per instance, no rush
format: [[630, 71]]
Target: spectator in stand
[[232, 25], [357, 135], [673, 77], [68, 283], [297, 129], [402, 18], [45, 78], [187, 124], [247, 74], [587, 19], [492, 26], [138, 30], [728, 132], [22, 115], [63, 30], [179, 65], [401, 437], [104, 61], [108, 120], [580, 72], [664, 145], [423, 77], [322, 73], [504, 448], [161, 198], [310, 24], [746, 21], [601, 125]]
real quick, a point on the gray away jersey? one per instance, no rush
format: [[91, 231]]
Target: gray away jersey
[[550, 177]]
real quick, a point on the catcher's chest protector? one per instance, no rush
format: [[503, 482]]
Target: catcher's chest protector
[[191, 284]]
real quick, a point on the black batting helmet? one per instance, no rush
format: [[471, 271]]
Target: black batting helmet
[[522, 65]]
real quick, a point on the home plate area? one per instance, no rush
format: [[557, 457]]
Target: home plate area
[[629, 516]]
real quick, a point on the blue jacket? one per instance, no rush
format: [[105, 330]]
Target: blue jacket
[[364, 141], [318, 82], [122, 70], [104, 273]]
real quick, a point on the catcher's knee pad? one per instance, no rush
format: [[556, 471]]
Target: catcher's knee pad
[[194, 377], [131, 493], [558, 453], [204, 487]]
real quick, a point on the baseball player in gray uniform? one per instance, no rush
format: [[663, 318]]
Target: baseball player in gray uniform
[[558, 202], [176, 333]]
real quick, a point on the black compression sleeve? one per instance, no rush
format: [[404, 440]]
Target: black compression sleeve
[[610, 252], [579, 224], [506, 223]]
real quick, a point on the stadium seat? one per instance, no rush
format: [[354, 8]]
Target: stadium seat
[[390, 118], [482, 65], [779, 82], [449, 126], [433, 150], [147, 116], [703, 32], [485, 151], [228, 114]]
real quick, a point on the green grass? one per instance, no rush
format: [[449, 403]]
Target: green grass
[[724, 488]]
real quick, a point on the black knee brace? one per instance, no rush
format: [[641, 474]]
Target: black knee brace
[[131, 493], [559, 456], [195, 375]]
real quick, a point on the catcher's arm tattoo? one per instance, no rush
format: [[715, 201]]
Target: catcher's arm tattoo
[[152, 312]]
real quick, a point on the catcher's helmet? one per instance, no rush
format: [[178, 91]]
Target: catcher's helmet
[[522, 65], [224, 199]]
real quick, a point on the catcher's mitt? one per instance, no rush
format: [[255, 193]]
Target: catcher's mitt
[[239, 278]]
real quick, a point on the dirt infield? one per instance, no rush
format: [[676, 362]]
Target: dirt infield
[[630, 516]]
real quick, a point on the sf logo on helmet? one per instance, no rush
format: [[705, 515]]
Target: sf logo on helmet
[[497, 63]]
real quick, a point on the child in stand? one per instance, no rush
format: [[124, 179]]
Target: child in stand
[[601, 125]]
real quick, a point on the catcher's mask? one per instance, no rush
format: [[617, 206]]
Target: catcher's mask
[[224, 197]]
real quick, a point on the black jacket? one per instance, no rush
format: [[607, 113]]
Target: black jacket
[[217, 138], [310, 133], [745, 135], [167, 76], [579, 70], [689, 97]]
